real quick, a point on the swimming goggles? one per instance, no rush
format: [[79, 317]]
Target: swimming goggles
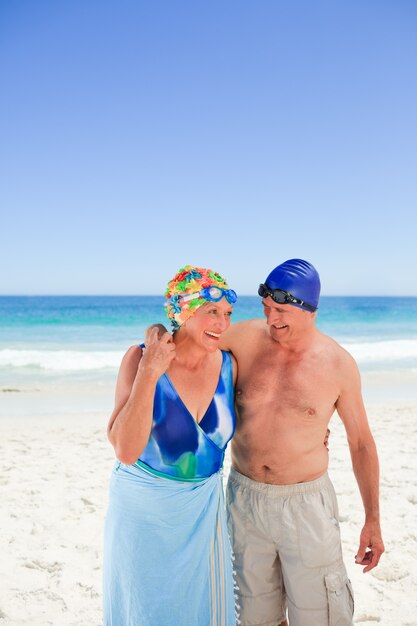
[[212, 294], [282, 297]]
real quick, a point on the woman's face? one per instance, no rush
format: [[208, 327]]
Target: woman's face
[[208, 323]]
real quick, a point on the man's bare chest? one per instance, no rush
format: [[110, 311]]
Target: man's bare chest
[[306, 385]]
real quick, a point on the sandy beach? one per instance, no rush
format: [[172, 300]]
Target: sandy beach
[[54, 476]]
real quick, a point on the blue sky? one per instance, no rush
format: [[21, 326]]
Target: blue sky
[[136, 137]]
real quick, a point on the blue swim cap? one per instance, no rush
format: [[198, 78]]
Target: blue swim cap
[[299, 278]]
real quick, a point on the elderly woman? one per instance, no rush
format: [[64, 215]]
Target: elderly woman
[[167, 553]]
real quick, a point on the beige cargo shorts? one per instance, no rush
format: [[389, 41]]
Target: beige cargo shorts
[[288, 554]]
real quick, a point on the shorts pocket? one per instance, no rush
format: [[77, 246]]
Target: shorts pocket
[[340, 599]]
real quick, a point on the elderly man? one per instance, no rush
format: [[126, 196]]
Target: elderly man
[[282, 509]]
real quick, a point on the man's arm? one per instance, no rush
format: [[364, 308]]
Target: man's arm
[[365, 463], [230, 339], [237, 335]]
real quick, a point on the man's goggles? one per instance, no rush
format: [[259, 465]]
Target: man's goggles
[[212, 294], [282, 297]]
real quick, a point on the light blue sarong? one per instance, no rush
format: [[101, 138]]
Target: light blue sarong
[[167, 557]]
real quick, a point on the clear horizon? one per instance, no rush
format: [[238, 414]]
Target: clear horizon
[[156, 295]]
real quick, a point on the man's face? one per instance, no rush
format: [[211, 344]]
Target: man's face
[[286, 321]]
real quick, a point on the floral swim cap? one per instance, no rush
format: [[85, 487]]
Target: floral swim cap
[[189, 280]]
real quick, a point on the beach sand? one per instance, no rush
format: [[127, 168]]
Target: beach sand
[[53, 485]]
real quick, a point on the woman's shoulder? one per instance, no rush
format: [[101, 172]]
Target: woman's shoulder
[[132, 356], [136, 349]]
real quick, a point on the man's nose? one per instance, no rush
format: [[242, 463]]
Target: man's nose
[[272, 316]]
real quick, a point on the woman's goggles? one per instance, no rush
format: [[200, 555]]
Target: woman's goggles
[[212, 294], [282, 297]]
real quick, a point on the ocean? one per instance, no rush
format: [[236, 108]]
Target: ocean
[[50, 341]]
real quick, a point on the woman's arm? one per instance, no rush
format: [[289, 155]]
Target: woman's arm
[[131, 421]]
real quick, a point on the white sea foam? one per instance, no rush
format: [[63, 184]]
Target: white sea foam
[[378, 352], [383, 351], [60, 360]]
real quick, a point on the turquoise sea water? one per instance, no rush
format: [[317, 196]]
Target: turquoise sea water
[[84, 337]]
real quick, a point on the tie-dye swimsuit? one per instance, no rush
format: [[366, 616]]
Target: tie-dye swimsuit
[[178, 446]]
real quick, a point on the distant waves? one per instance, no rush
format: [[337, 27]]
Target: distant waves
[[379, 353], [384, 352], [60, 360]]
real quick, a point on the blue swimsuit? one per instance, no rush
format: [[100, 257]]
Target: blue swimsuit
[[178, 446]]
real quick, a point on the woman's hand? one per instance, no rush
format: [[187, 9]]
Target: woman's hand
[[158, 353]]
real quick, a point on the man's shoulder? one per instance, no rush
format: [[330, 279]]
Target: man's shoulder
[[337, 351]]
